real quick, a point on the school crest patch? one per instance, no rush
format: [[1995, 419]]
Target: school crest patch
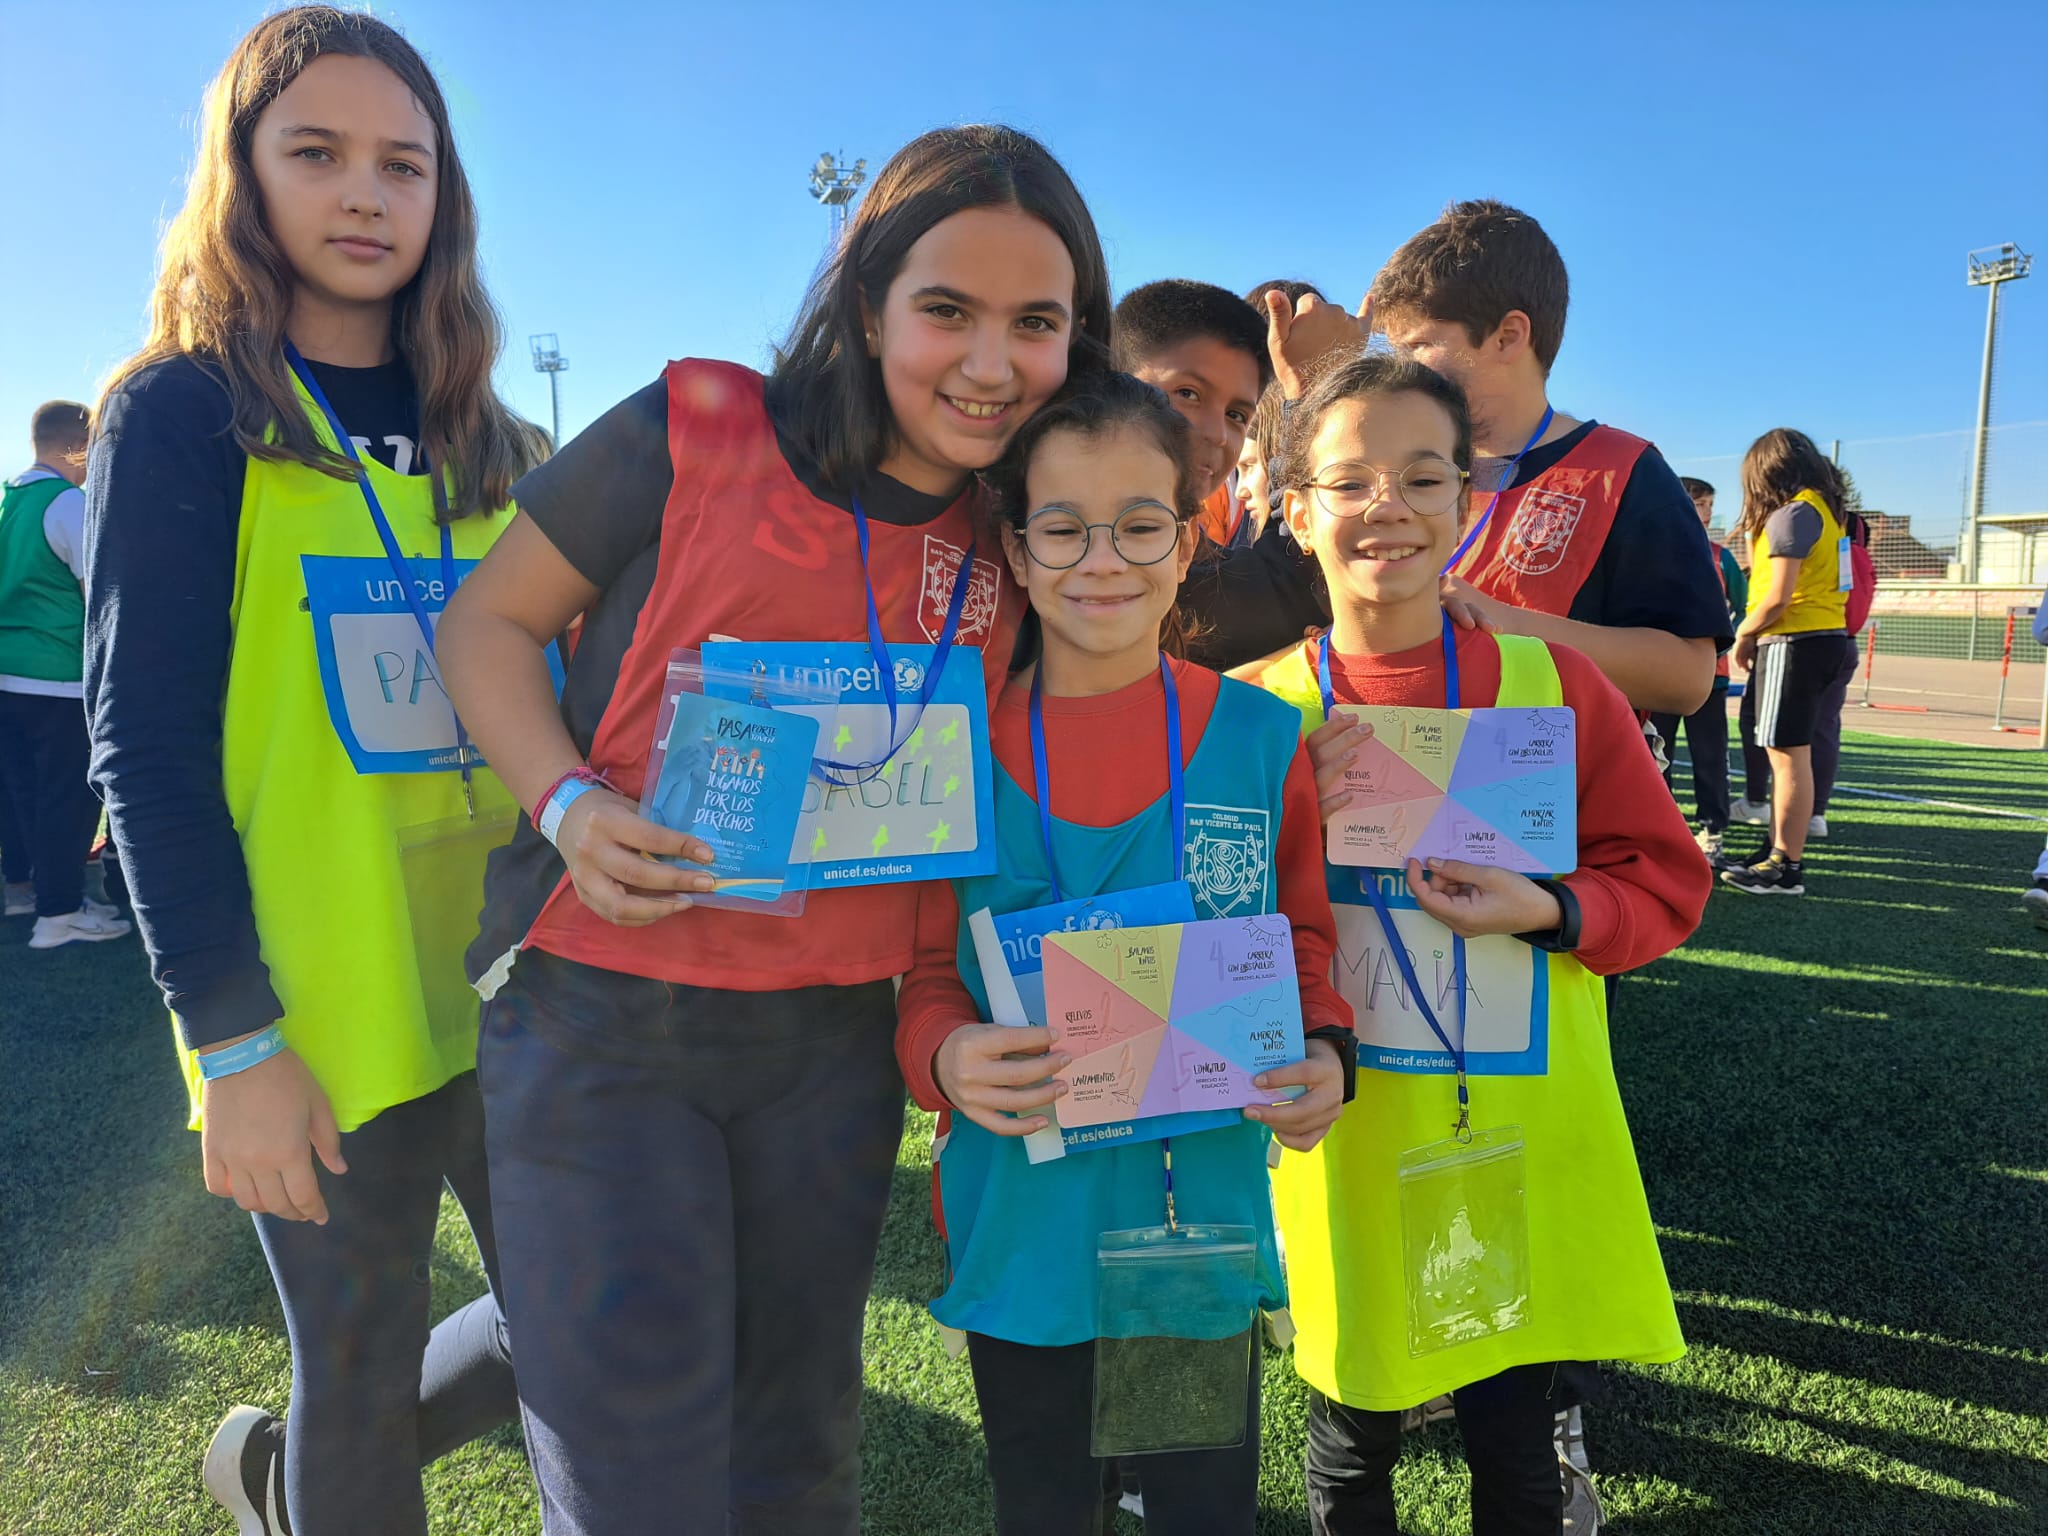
[[977, 611], [1228, 859], [1541, 532]]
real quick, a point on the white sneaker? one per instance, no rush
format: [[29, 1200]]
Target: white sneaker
[[1750, 813], [1818, 827], [83, 926], [21, 898], [1710, 843], [104, 909]]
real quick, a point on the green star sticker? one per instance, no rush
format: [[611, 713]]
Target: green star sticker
[[881, 839], [818, 842], [949, 733], [916, 741], [938, 836], [952, 783], [843, 740]]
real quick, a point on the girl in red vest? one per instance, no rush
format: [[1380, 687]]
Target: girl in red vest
[[693, 1114]]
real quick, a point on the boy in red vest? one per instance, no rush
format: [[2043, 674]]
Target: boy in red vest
[[1592, 542]]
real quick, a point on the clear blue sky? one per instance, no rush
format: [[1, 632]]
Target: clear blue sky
[[1765, 209]]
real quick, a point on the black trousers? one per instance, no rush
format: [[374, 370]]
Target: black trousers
[[688, 1187], [43, 750], [375, 1394], [1706, 741], [1507, 1421], [1036, 1404]]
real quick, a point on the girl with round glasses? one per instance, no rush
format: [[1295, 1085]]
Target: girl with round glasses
[[1512, 1025], [1098, 500]]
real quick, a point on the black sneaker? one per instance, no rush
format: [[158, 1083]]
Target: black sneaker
[[1727, 858], [245, 1471], [1767, 877]]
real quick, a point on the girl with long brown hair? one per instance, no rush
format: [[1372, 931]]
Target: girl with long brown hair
[[694, 1112], [1794, 641], [289, 478]]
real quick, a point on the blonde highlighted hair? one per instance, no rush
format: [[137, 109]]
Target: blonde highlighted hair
[[224, 289]]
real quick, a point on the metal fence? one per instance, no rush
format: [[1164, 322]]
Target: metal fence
[[1956, 622]]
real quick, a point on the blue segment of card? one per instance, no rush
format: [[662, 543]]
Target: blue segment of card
[[925, 811], [733, 775]]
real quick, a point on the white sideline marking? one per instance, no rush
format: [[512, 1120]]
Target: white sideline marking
[[1881, 794]]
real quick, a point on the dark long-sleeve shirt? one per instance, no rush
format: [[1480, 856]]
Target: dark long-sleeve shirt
[[163, 515]]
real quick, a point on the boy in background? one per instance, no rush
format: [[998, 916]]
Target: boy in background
[[1205, 349], [1706, 728], [1592, 543], [43, 746]]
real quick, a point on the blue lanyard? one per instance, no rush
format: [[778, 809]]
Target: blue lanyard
[[1507, 480], [885, 666], [1371, 890], [1041, 777], [392, 553]]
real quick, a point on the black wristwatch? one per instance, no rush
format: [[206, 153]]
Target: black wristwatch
[[1564, 938], [1347, 1053]]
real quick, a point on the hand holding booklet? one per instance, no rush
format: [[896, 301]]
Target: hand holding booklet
[[732, 773], [1016, 952]]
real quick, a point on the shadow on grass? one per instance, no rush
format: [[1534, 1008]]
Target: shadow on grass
[[1758, 1487]]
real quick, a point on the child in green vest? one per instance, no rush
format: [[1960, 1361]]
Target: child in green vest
[[52, 811], [269, 552], [1495, 1076]]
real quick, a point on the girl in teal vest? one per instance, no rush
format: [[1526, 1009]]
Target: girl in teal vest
[[1477, 1217], [1119, 773], [265, 557]]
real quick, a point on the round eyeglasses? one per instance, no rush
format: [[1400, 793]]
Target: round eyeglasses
[[1430, 486], [1059, 538]]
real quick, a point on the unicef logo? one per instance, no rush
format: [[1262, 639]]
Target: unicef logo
[[1102, 919], [909, 675]]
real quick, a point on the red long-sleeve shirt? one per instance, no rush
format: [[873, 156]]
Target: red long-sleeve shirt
[[1642, 882], [1126, 728]]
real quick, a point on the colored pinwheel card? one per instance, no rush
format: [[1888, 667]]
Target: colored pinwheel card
[[1172, 1019], [1497, 787]]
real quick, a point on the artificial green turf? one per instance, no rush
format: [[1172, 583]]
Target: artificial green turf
[[1842, 1116]]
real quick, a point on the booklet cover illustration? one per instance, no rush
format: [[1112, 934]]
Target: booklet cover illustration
[[734, 775], [1172, 1019], [1497, 787]]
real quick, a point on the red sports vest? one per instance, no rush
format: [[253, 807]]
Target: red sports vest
[[1544, 535], [748, 553]]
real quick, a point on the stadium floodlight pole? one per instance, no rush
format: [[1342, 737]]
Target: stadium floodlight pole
[[1993, 267], [836, 186], [548, 359]]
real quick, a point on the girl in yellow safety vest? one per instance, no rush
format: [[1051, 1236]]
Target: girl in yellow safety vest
[[1477, 1218], [289, 479], [1794, 640]]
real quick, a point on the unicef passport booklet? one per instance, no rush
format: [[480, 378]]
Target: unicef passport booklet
[[732, 772], [1011, 949]]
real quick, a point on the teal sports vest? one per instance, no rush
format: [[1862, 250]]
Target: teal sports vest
[[1021, 1237]]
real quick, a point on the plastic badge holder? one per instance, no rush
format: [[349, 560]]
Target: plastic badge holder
[[1176, 1316], [442, 865], [750, 828], [1465, 1239]]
